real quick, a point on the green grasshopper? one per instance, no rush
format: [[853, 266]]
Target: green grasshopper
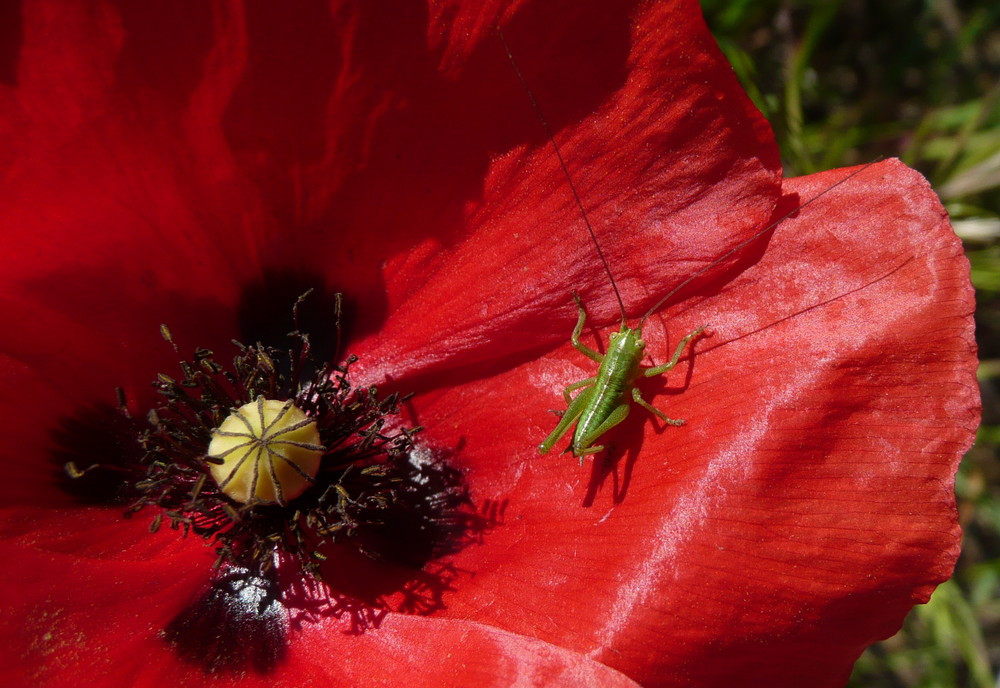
[[604, 402]]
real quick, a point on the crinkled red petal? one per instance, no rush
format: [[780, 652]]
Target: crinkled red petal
[[640, 164], [808, 502]]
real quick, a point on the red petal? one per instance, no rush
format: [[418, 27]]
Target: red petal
[[111, 230], [102, 626], [658, 165], [806, 505], [442, 652], [176, 187]]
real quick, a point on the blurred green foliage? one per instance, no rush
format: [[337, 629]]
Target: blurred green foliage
[[846, 81]]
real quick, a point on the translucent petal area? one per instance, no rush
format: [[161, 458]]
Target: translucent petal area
[[808, 502], [673, 166]]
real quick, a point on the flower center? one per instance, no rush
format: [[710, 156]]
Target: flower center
[[266, 451], [225, 453]]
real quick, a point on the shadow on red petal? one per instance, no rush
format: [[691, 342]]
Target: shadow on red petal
[[394, 563], [165, 47], [361, 590], [11, 37]]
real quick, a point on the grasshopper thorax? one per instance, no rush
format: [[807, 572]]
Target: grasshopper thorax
[[625, 351]]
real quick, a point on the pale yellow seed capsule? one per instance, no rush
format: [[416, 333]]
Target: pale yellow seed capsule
[[270, 450]]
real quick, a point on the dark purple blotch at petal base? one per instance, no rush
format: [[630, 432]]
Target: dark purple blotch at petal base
[[237, 624]]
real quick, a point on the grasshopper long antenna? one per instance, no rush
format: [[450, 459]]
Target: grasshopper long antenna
[[562, 164], [756, 236]]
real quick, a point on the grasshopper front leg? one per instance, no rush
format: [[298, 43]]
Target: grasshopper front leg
[[660, 369], [637, 398], [576, 385], [578, 330]]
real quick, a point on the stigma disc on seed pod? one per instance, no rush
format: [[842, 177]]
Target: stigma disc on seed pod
[[270, 452]]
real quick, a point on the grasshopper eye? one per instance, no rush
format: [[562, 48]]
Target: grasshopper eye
[[640, 344]]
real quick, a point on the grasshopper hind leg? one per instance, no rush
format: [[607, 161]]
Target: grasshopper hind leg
[[575, 386], [584, 446], [572, 413]]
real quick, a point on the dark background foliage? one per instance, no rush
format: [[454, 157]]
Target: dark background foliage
[[844, 82]]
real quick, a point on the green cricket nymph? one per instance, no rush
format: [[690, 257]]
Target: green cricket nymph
[[604, 401]]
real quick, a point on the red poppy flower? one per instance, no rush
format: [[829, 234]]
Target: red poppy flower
[[202, 164]]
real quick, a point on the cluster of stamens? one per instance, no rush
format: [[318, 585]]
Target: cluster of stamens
[[294, 464], [275, 456]]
